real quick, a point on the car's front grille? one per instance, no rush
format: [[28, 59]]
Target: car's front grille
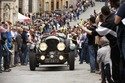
[[52, 44]]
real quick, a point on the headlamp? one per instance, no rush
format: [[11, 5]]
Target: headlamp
[[43, 46], [61, 46]]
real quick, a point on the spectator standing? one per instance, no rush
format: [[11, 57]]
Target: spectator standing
[[115, 52], [25, 46], [91, 43], [10, 44], [120, 15], [18, 45], [4, 48], [84, 45], [0, 50]]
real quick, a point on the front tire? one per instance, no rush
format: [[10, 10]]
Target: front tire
[[71, 60], [32, 62]]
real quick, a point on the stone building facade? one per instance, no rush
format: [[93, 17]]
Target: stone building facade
[[51, 5], [35, 6], [29, 6], [9, 10]]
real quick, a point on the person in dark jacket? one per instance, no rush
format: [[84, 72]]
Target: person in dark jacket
[[18, 45], [115, 52], [119, 20], [91, 44], [25, 46]]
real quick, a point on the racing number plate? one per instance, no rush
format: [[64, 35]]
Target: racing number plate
[[51, 60]]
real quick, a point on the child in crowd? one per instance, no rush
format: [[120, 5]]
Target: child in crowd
[[103, 58]]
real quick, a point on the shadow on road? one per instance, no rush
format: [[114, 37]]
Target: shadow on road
[[52, 68]]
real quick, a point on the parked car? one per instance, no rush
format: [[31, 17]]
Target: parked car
[[53, 49]]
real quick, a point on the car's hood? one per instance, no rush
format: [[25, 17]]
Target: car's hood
[[52, 37]]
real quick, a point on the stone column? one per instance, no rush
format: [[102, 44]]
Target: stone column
[[64, 2], [61, 4], [54, 4], [42, 5], [35, 6], [50, 5], [26, 6], [46, 5], [15, 11]]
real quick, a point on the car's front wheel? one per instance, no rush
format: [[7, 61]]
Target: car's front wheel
[[32, 62], [71, 60]]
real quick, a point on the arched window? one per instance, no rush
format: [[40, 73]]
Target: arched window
[[52, 5], [6, 12], [57, 5], [66, 4]]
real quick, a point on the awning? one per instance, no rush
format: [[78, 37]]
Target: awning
[[23, 18]]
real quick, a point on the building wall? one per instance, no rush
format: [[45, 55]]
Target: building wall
[[73, 2], [35, 6], [9, 10], [42, 5], [15, 11], [20, 6], [30, 6], [46, 5], [25, 7]]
